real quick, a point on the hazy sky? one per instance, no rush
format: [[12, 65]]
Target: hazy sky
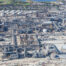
[[41, 0]]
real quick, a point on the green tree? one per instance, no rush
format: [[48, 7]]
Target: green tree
[[29, 1]]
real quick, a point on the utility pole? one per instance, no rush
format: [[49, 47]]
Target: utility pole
[[26, 43]]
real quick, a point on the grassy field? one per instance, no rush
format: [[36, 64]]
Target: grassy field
[[6, 2], [3, 2]]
